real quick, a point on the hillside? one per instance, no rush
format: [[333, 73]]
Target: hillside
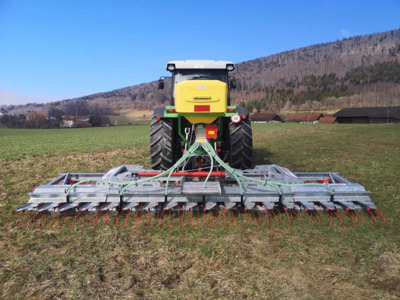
[[358, 71]]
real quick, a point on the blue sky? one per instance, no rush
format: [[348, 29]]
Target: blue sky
[[53, 50]]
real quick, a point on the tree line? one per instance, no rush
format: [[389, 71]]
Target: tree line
[[79, 112]]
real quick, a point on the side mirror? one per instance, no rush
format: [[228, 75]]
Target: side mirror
[[232, 82], [161, 84]]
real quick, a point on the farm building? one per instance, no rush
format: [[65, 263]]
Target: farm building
[[69, 122], [303, 118], [390, 114], [327, 119], [266, 117]]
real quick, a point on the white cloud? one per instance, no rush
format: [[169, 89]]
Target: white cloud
[[345, 33]]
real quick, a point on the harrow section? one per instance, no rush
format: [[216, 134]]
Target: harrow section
[[266, 189], [121, 189]]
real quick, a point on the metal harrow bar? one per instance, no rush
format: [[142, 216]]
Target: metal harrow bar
[[262, 189]]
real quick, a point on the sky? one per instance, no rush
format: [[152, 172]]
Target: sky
[[52, 50]]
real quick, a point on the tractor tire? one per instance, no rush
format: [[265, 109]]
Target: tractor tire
[[162, 143], [240, 145]]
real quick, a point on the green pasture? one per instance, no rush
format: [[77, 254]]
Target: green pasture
[[193, 261]]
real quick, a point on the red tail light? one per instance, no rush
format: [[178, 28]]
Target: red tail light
[[211, 131], [200, 108]]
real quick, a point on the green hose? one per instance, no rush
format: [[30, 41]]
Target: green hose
[[170, 170], [275, 185], [211, 153], [211, 169], [128, 184], [209, 149]]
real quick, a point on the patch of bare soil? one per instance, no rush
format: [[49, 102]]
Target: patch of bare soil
[[387, 276]]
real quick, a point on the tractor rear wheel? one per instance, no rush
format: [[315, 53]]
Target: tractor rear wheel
[[240, 145], [162, 143]]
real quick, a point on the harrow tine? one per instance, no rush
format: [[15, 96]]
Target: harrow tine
[[350, 213], [62, 220], [117, 220], [280, 215], [288, 218], [138, 218], [54, 218], [308, 216], [267, 217], [127, 219], [316, 215], [339, 215], [20, 215], [40, 220], [224, 213], [183, 217], [148, 220], [298, 215], [32, 220], [45, 219], [75, 218], [191, 218], [97, 218], [259, 216], [381, 215], [162, 214], [360, 214], [277, 219], [255, 219], [84, 221], [105, 220], [372, 215], [212, 218], [9, 219]]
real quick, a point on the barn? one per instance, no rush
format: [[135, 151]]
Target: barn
[[364, 115], [266, 117], [304, 118]]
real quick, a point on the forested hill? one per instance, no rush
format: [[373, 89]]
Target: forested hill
[[358, 71], [362, 70]]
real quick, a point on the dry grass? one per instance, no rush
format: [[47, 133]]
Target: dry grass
[[232, 262], [126, 116]]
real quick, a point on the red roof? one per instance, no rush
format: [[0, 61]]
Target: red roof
[[303, 117], [327, 120], [67, 117], [265, 117]]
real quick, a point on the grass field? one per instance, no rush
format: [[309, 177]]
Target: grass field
[[181, 262]]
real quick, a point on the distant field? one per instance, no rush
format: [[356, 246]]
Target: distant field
[[233, 262], [126, 116]]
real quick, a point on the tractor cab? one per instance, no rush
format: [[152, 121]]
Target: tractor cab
[[200, 89]]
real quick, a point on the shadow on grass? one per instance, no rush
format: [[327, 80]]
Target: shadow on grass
[[262, 157]]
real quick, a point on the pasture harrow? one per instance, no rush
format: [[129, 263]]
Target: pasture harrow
[[220, 196]]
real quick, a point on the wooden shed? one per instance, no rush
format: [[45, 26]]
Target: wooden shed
[[390, 114]]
